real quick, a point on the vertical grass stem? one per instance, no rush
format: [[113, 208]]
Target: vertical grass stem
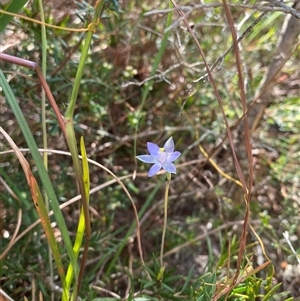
[[165, 219]]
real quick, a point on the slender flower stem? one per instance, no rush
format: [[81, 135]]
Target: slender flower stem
[[165, 218]]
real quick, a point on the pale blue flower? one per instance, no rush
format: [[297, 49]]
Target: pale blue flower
[[161, 157]]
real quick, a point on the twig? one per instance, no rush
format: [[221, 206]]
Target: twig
[[278, 6], [100, 289], [287, 238], [285, 8], [222, 57], [159, 77]]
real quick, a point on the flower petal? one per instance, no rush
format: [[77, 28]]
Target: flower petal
[[153, 149], [172, 157], [169, 167], [154, 169], [162, 157], [169, 145], [146, 158]]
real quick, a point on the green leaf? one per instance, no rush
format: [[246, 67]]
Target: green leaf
[[150, 272], [40, 167], [188, 278], [149, 284], [13, 7], [271, 292], [168, 288], [81, 225]]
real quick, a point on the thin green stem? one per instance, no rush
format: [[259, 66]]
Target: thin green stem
[[44, 66], [165, 219], [72, 144], [44, 127], [120, 247], [84, 54]]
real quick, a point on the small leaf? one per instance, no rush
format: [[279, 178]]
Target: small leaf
[[149, 284], [150, 272], [160, 275], [188, 278], [168, 288]]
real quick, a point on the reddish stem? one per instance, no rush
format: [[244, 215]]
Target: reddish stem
[[35, 66]]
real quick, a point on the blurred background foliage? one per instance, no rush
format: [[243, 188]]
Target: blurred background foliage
[[122, 55]]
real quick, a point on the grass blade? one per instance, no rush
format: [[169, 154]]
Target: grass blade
[[40, 167], [39, 205], [13, 7], [81, 224]]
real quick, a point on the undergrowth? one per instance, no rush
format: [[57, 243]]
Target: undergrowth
[[139, 84]]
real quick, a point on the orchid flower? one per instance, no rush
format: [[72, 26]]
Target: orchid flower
[[162, 157]]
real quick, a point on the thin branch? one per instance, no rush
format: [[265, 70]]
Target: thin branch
[[275, 6], [285, 8], [223, 56], [160, 77]]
